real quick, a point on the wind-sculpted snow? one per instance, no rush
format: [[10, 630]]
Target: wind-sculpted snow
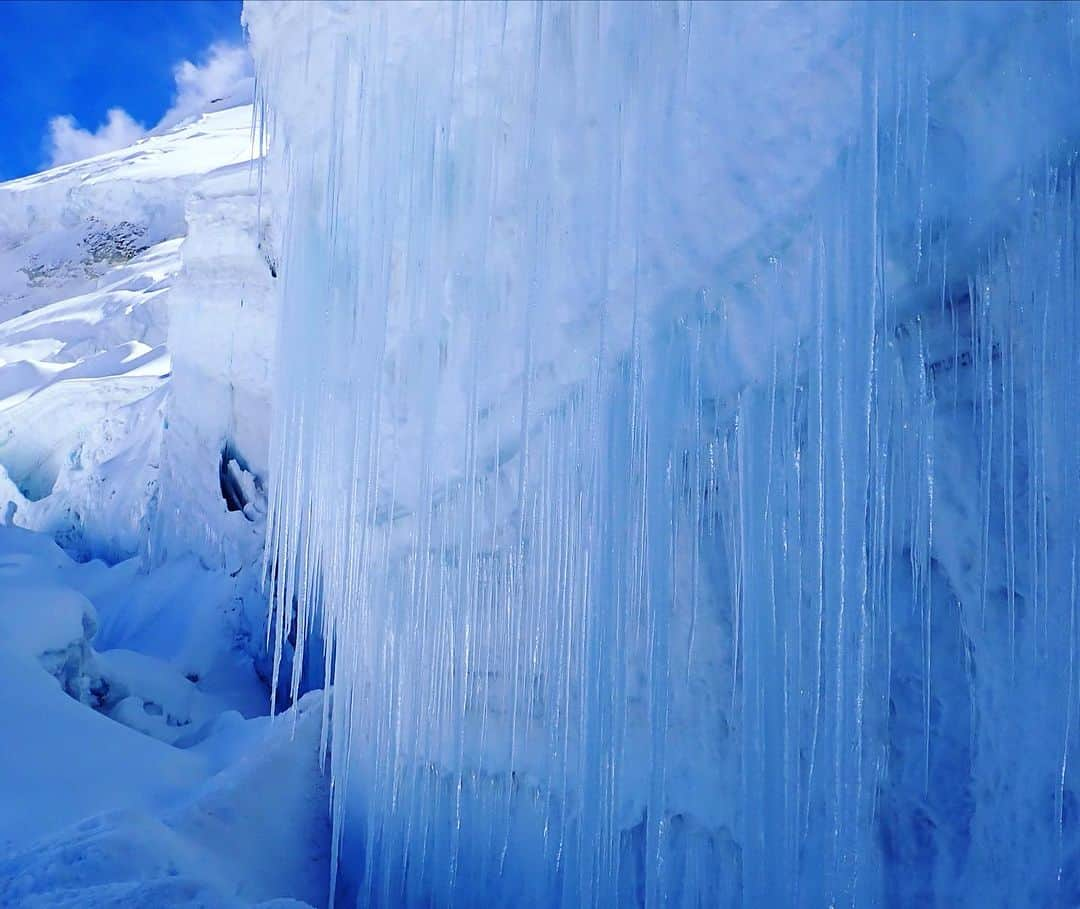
[[81, 408], [90, 253], [139, 768], [131, 776], [674, 444]]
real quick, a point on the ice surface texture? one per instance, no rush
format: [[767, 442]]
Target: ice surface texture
[[675, 444]]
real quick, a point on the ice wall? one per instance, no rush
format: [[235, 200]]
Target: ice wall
[[211, 502], [221, 336], [674, 439]]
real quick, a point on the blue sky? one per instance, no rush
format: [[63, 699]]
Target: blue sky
[[66, 57]]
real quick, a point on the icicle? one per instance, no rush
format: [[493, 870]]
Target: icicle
[[677, 535]]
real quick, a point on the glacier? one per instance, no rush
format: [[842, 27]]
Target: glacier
[[674, 430], [651, 425], [139, 759]]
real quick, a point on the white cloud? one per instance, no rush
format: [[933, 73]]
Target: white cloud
[[70, 142], [225, 68], [225, 73]]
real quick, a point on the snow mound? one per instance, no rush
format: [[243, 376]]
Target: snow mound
[[135, 820]]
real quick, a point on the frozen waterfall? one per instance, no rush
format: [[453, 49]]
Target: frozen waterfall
[[676, 451]]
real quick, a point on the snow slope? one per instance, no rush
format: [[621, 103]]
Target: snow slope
[[126, 783], [140, 767], [91, 254], [63, 228]]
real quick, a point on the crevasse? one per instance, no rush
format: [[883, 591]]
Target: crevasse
[[674, 447]]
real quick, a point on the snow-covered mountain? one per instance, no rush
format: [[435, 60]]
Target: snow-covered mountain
[[93, 285], [141, 769]]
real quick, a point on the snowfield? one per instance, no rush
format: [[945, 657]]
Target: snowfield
[[91, 251], [142, 768]]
